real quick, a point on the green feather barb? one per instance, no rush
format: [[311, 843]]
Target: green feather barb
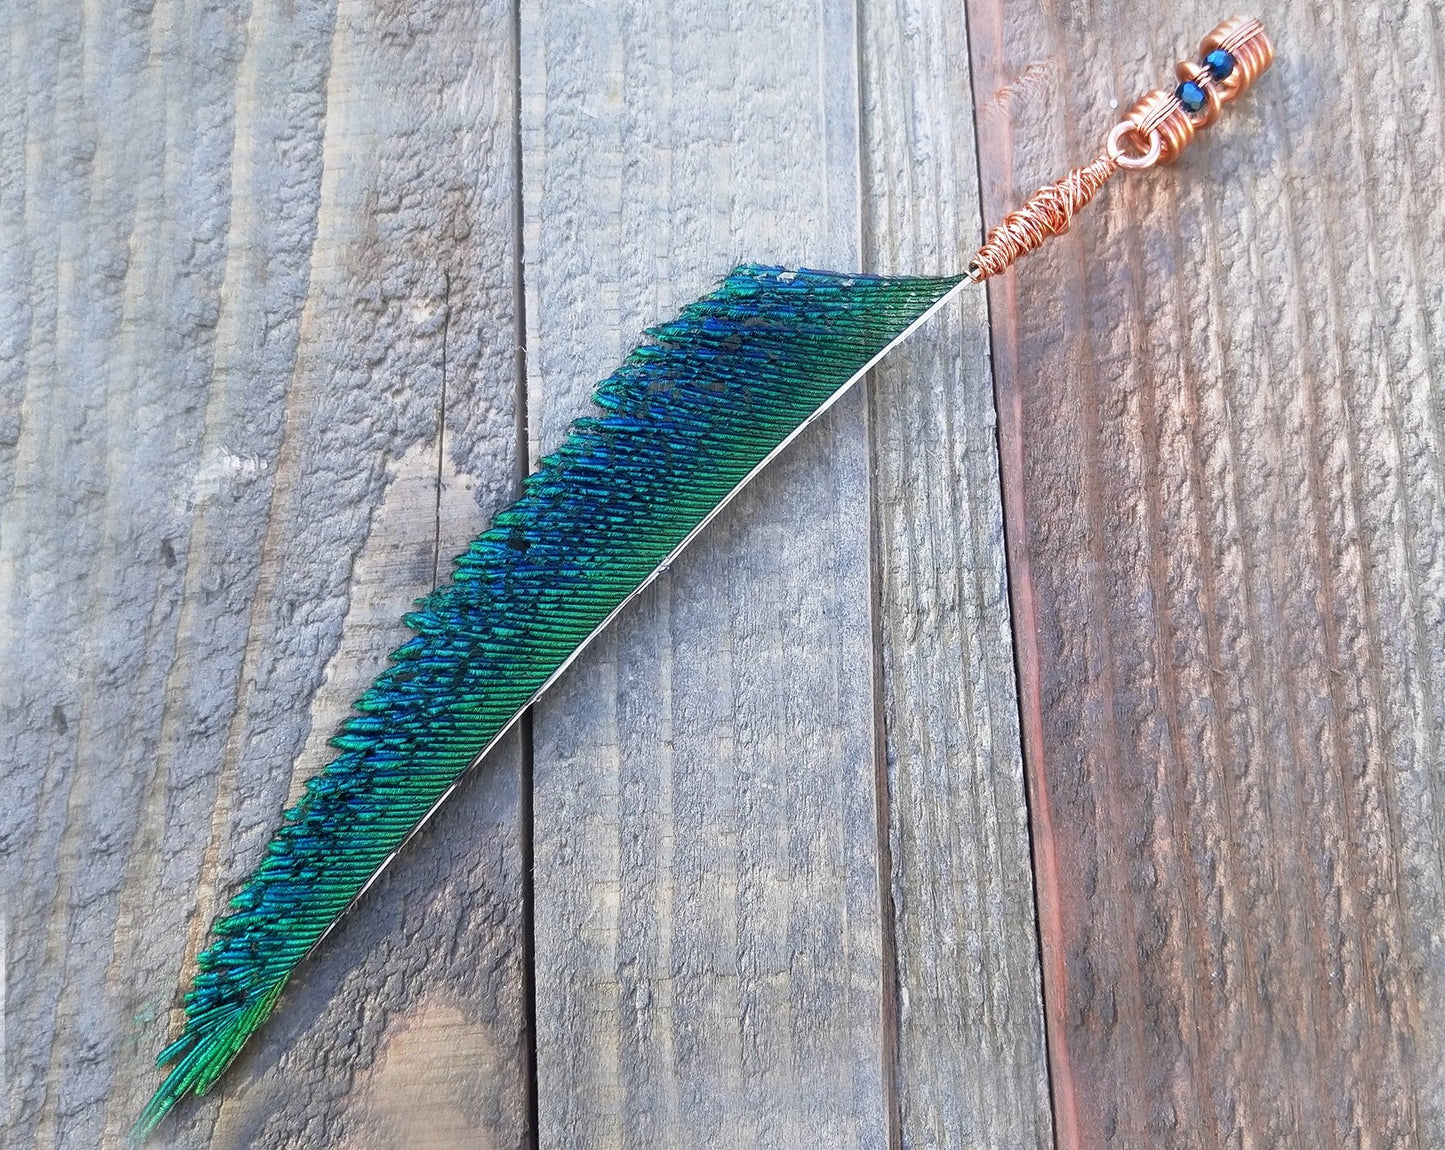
[[684, 423]]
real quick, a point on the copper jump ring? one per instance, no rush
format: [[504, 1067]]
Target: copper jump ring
[[1125, 129]]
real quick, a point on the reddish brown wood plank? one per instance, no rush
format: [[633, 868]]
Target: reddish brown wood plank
[[1221, 437]]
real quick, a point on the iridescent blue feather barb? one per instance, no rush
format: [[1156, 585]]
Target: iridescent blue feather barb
[[684, 423]]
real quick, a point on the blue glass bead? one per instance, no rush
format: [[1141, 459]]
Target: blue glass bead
[[1191, 95], [1220, 63]]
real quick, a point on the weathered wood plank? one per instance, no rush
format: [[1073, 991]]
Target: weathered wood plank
[[261, 248], [708, 933], [971, 1062], [1221, 408]]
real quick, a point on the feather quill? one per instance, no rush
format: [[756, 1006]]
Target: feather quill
[[685, 422]]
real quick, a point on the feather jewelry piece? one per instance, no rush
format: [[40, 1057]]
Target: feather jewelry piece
[[685, 422]]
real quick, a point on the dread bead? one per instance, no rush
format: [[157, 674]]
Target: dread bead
[[1159, 127], [1232, 58]]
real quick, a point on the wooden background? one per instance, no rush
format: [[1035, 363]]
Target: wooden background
[[1067, 776]]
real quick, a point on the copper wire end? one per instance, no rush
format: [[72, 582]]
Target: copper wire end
[[1156, 129]]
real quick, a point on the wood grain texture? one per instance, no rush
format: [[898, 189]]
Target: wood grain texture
[[260, 265], [260, 346], [971, 1067], [1221, 425], [708, 929]]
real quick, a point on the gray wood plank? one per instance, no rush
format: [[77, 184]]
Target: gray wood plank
[[1223, 448], [708, 932], [253, 248], [971, 1067]]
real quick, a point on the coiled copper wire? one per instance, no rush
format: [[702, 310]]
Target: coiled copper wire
[[1046, 213], [1156, 129], [1159, 113], [1243, 38]]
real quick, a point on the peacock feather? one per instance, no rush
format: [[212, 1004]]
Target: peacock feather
[[685, 422]]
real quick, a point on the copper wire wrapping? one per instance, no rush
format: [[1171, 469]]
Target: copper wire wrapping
[[1046, 213], [1156, 129]]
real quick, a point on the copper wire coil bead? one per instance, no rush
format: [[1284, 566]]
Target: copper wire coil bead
[[1243, 38], [1161, 112]]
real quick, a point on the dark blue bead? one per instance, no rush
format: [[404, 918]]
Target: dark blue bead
[[1220, 63], [1191, 95]]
